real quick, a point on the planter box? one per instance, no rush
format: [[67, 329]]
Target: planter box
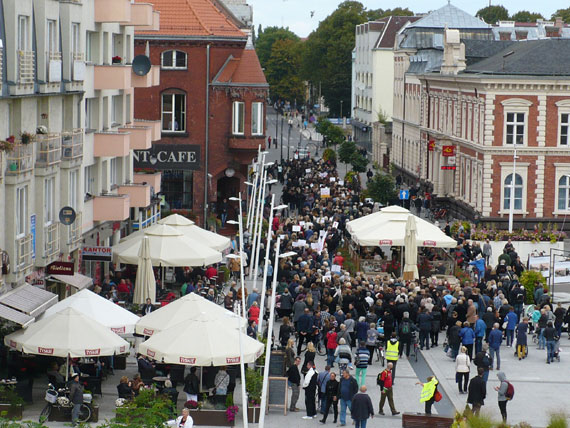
[[253, 414], [211, 418], [12, 412], [61, 414]]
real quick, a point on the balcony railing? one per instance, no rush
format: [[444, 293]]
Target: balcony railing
[[20, 159], [26, 67], [74, 231], [1, 63], [51, 241], [48, 151], [24, 259], [72, 145], [53, 67], [77, 66]]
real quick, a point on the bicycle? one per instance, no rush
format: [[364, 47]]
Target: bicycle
[[380, 355], [320, 348], [59, 397], [415, 346]]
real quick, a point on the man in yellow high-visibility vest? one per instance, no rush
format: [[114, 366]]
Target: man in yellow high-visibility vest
[[392, 353]]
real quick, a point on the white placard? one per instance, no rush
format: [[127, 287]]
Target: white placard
[[282, 237], [302, 223], [322, 233], [315, 246], [335, 268], [325, 192], [332, 179], [323, 174], [308, 170], [335, 224], [296, 228], [341, 182]]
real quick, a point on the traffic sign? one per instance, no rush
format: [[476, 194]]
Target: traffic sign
[[404, 195]]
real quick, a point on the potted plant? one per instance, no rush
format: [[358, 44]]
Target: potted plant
[[253, 385], [27, 137], [8, 144], [11, 404], [117, 59]]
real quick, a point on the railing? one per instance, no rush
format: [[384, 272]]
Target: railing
[[1, 63], [48, 150], [51, 240], [26, 67], [74, 231], [72, 144], [153, 219], [23, 253], [77, 56], [53, 56], [20, 159]]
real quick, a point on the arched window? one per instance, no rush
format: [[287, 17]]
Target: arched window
[[174, 60], [518, 194], [564, 193], [173, 111]]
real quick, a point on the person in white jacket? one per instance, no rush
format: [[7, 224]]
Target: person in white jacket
[[184, 421], [462, 367]]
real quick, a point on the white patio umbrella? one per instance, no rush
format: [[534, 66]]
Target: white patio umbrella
[[190, 230], [411, 248], [68, 334], [183, 310], [145, 284], [206, 341], [105, 312], [168, 247]]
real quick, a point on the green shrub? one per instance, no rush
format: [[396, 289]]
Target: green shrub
[[528, 279], [329, 155], [557, 420]]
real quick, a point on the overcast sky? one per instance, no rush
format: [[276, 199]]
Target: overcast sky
[[296, 14]]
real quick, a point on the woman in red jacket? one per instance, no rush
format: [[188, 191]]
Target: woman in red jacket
[[254, 313], [331, 346]]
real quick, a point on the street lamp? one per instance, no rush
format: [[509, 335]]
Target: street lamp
[[341, 101], [241, 366], [290, 122], [512, 195], [257, 221], [270, 333]]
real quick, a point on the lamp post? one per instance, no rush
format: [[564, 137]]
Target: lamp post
[[270, 334], [253, 193], [341, 101], [255, 214], [512, 195], [242, 369], [288, 138]]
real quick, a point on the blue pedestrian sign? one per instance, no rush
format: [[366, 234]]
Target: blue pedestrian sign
[[404, 195]]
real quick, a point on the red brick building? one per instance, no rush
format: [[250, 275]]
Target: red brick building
[[193, 33]]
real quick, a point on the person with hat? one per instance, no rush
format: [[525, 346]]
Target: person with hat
[[76, 397]]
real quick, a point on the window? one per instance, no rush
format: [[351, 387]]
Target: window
[[116, 110], [21, 210], [89, 182], [90, 46], [89, 113], [564, 193], [173, 112], [257, 119], [174, 60], [23, 33], [73, 189], [518, 195], [75, 48], [49, 200], [113, 172], [564, 126], [515, 128], [51, 36], [238, 118]]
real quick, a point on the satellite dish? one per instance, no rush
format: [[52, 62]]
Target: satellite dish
[[141, 65]]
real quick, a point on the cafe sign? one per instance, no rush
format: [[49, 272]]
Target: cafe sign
[[168, 156]]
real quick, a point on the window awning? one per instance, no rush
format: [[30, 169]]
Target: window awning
[[76, 280], [28, 299], [15, 316]]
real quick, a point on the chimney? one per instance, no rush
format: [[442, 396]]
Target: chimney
[[453, 53], [559, 22]]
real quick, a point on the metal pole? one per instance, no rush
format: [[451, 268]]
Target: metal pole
[[250, 200], [281, 130], [512, 196], [207, 138], [241, 270], [259, 228], [288, 137], [269, 336], [253, 203], [277, 124], [257, 213], [265, 268], [242, 373]]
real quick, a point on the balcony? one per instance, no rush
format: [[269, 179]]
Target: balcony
[[111, 207], [139, 194], [19, 161], [72, 148], [53, 67], [51, 243], [141, 15], [242, 142], [112, 77], [153, 179], [48, 151], [141, 136], [113, 11], [23, 262], [74, 232], [155, 26], [152, 78], [156, 127], [26, 73], [111, 144]]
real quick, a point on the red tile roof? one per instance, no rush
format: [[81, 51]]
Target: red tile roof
[[192, 18], [245, 70]]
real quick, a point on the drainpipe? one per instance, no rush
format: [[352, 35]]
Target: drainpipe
[[207, 141], [403, 125]]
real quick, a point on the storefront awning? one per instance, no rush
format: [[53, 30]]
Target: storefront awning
[[76, 280], [15, 316], [28, 299]]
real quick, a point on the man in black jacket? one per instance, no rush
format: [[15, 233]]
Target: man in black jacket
[[362, 408], [310, 387], [477, 391], [331, 398], [294, 382], [76, 397]]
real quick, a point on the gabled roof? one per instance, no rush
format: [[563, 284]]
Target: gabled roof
[[198, 18], [243, 71], [451, 17], [392, 25], [547, 57]]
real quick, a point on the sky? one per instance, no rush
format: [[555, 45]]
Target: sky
[[296, 14]]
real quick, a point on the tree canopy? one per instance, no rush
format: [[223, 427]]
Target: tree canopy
[[282, 70], [381, 13], [382, 188], [526, 16], [267, 37], [563, 13], [493, 14]]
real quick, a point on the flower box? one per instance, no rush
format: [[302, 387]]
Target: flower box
[[11, 411], [211, 417], [253, 414]]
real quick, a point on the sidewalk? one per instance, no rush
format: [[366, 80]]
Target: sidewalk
[[540, 389]]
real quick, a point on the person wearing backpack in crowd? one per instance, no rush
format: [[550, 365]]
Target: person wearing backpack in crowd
[[424, 322], [392, 354], [517, 297], [483, 360], [467, 336], [495, 340], [362, 358], [405, 334], [477, 392], [506, 392], [521, 332], [385, 382]]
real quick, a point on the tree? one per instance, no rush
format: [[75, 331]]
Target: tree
[[334, 135], [267, 38], [493, 14], [526, 16], [382, 188], [282, 71], [346, 151], [563, 13], [380, 13], [359, 162]]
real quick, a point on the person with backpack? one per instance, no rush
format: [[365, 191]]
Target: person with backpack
[[392, 353], [405, 333], [385, 382], [362, 359], [506, 392]]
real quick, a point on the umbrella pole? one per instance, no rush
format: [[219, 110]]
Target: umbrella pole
[[242, 373], [67, 369], [265, 268]]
